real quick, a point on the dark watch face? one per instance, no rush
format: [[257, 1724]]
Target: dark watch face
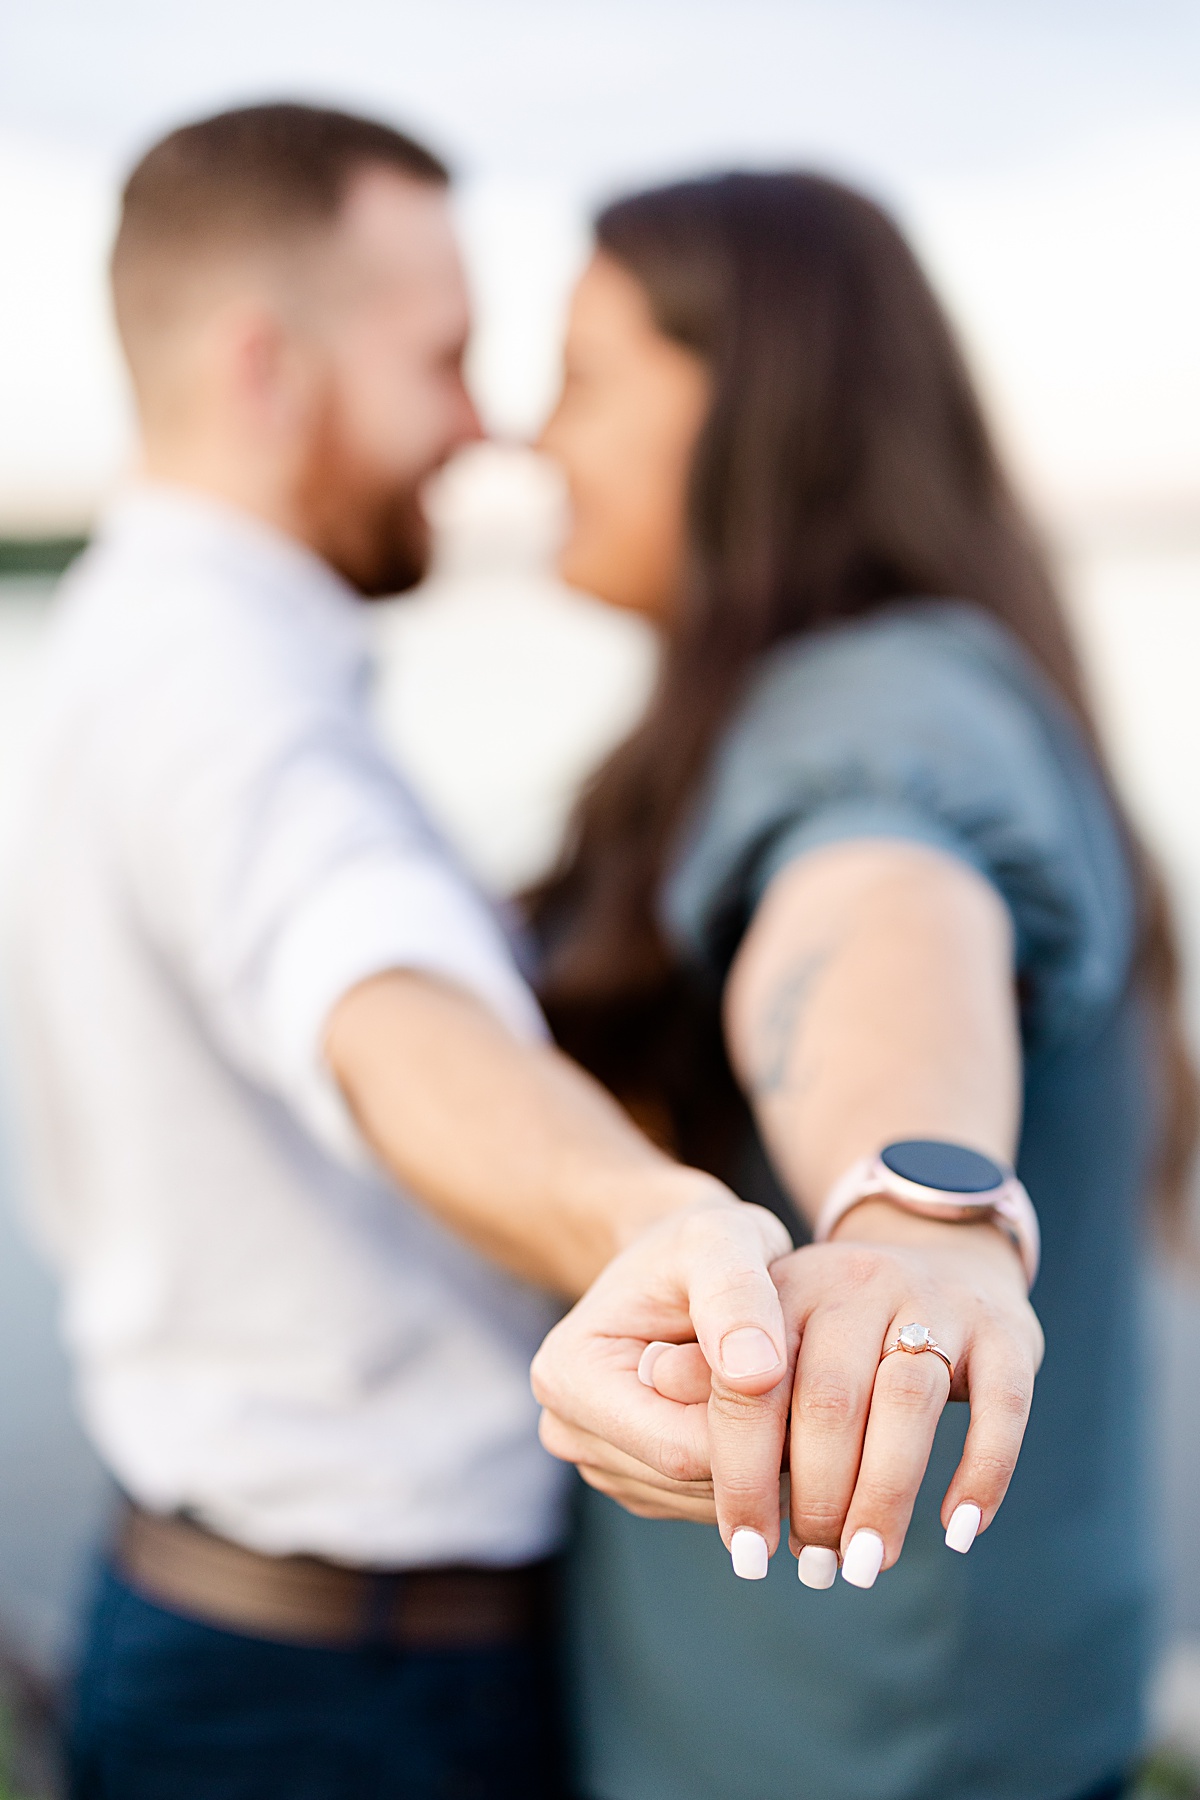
[[951, 1167]]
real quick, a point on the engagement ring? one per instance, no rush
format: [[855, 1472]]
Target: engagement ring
[[915, 1340]]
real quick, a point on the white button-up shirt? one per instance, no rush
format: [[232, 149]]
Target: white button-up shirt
[[266, 1330]]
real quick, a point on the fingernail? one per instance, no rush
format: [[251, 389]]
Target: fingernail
[[749, 1552], [964, 1523], [647, 1360], [863, 1559], [748, 1351], [816, 1566]]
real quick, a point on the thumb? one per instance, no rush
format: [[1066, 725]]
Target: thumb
[[733, 1303]]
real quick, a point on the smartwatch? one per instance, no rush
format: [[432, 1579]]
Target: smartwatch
[[939, 1181]]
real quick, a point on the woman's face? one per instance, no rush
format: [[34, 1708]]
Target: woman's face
[[624, 430]]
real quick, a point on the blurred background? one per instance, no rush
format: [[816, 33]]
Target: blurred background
[[1045, 157]]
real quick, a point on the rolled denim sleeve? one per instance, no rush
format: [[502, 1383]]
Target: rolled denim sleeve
[[927, 724]]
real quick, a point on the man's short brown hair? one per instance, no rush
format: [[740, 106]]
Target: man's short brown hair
[[253, 178]]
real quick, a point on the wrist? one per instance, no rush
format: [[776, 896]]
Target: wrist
[[879, 1221], [649, 1196], [941, 1181]]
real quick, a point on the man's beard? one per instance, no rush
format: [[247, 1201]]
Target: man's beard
[[371, 530], [390, 548]]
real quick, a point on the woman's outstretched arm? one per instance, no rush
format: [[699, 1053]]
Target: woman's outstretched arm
[[873, 998]]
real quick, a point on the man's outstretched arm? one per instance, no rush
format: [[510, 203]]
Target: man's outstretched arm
[[524, 1155]]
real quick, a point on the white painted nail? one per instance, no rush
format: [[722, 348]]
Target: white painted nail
[[647, 1360], [964, 1523], [816, 1566], [863, 1559], [749, 1552]]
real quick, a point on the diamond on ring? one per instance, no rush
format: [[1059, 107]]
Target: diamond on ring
[[914, 1337]]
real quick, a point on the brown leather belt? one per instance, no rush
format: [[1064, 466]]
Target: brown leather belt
[[305, 1600]]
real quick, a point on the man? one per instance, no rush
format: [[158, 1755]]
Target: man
[[306, 1155]]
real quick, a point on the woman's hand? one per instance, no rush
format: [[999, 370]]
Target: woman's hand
[[701, 1275], [861, 1427]]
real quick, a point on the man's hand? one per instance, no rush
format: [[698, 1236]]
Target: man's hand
[[700, 1278]]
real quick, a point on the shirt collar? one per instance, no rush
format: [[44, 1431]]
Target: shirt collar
[[178, 520]]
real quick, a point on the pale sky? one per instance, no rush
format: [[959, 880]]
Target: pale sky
[[1045, 153]]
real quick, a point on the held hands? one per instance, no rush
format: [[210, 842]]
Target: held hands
[[708, 1437]]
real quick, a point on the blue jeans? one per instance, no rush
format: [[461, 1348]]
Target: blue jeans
[[167, 1708]]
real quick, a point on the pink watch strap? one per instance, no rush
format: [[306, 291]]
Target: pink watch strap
[[1009, 1205]]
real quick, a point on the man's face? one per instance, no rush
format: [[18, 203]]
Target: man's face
[[387, 327]]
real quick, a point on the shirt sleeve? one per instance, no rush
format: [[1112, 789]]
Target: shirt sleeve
[[275, 858], [931, 727]]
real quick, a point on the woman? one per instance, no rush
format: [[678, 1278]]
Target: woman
[[859, 879]]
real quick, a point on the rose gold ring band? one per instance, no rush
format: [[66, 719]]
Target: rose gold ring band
[[917, 1340]]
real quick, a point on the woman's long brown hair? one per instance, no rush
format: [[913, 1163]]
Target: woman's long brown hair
[[844, 465]]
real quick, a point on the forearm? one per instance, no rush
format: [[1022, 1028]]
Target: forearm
[[510, 1144], [873, 999]]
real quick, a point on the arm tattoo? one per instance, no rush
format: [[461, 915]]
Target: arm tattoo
[[776, 1030]]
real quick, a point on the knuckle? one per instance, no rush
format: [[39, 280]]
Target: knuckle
[[605, 1484], [738, 1276], [883, 1494], [727, 1405], [741, 1496], [640, 1506], [554, 1437], [910, 1389], [539, 1378], [1011, 1401], [676, 1462], [819, 1521], [991, 1473], [768, 1232], [858, 1264], [645, 1505], [543, 1370], [826, 1400]]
